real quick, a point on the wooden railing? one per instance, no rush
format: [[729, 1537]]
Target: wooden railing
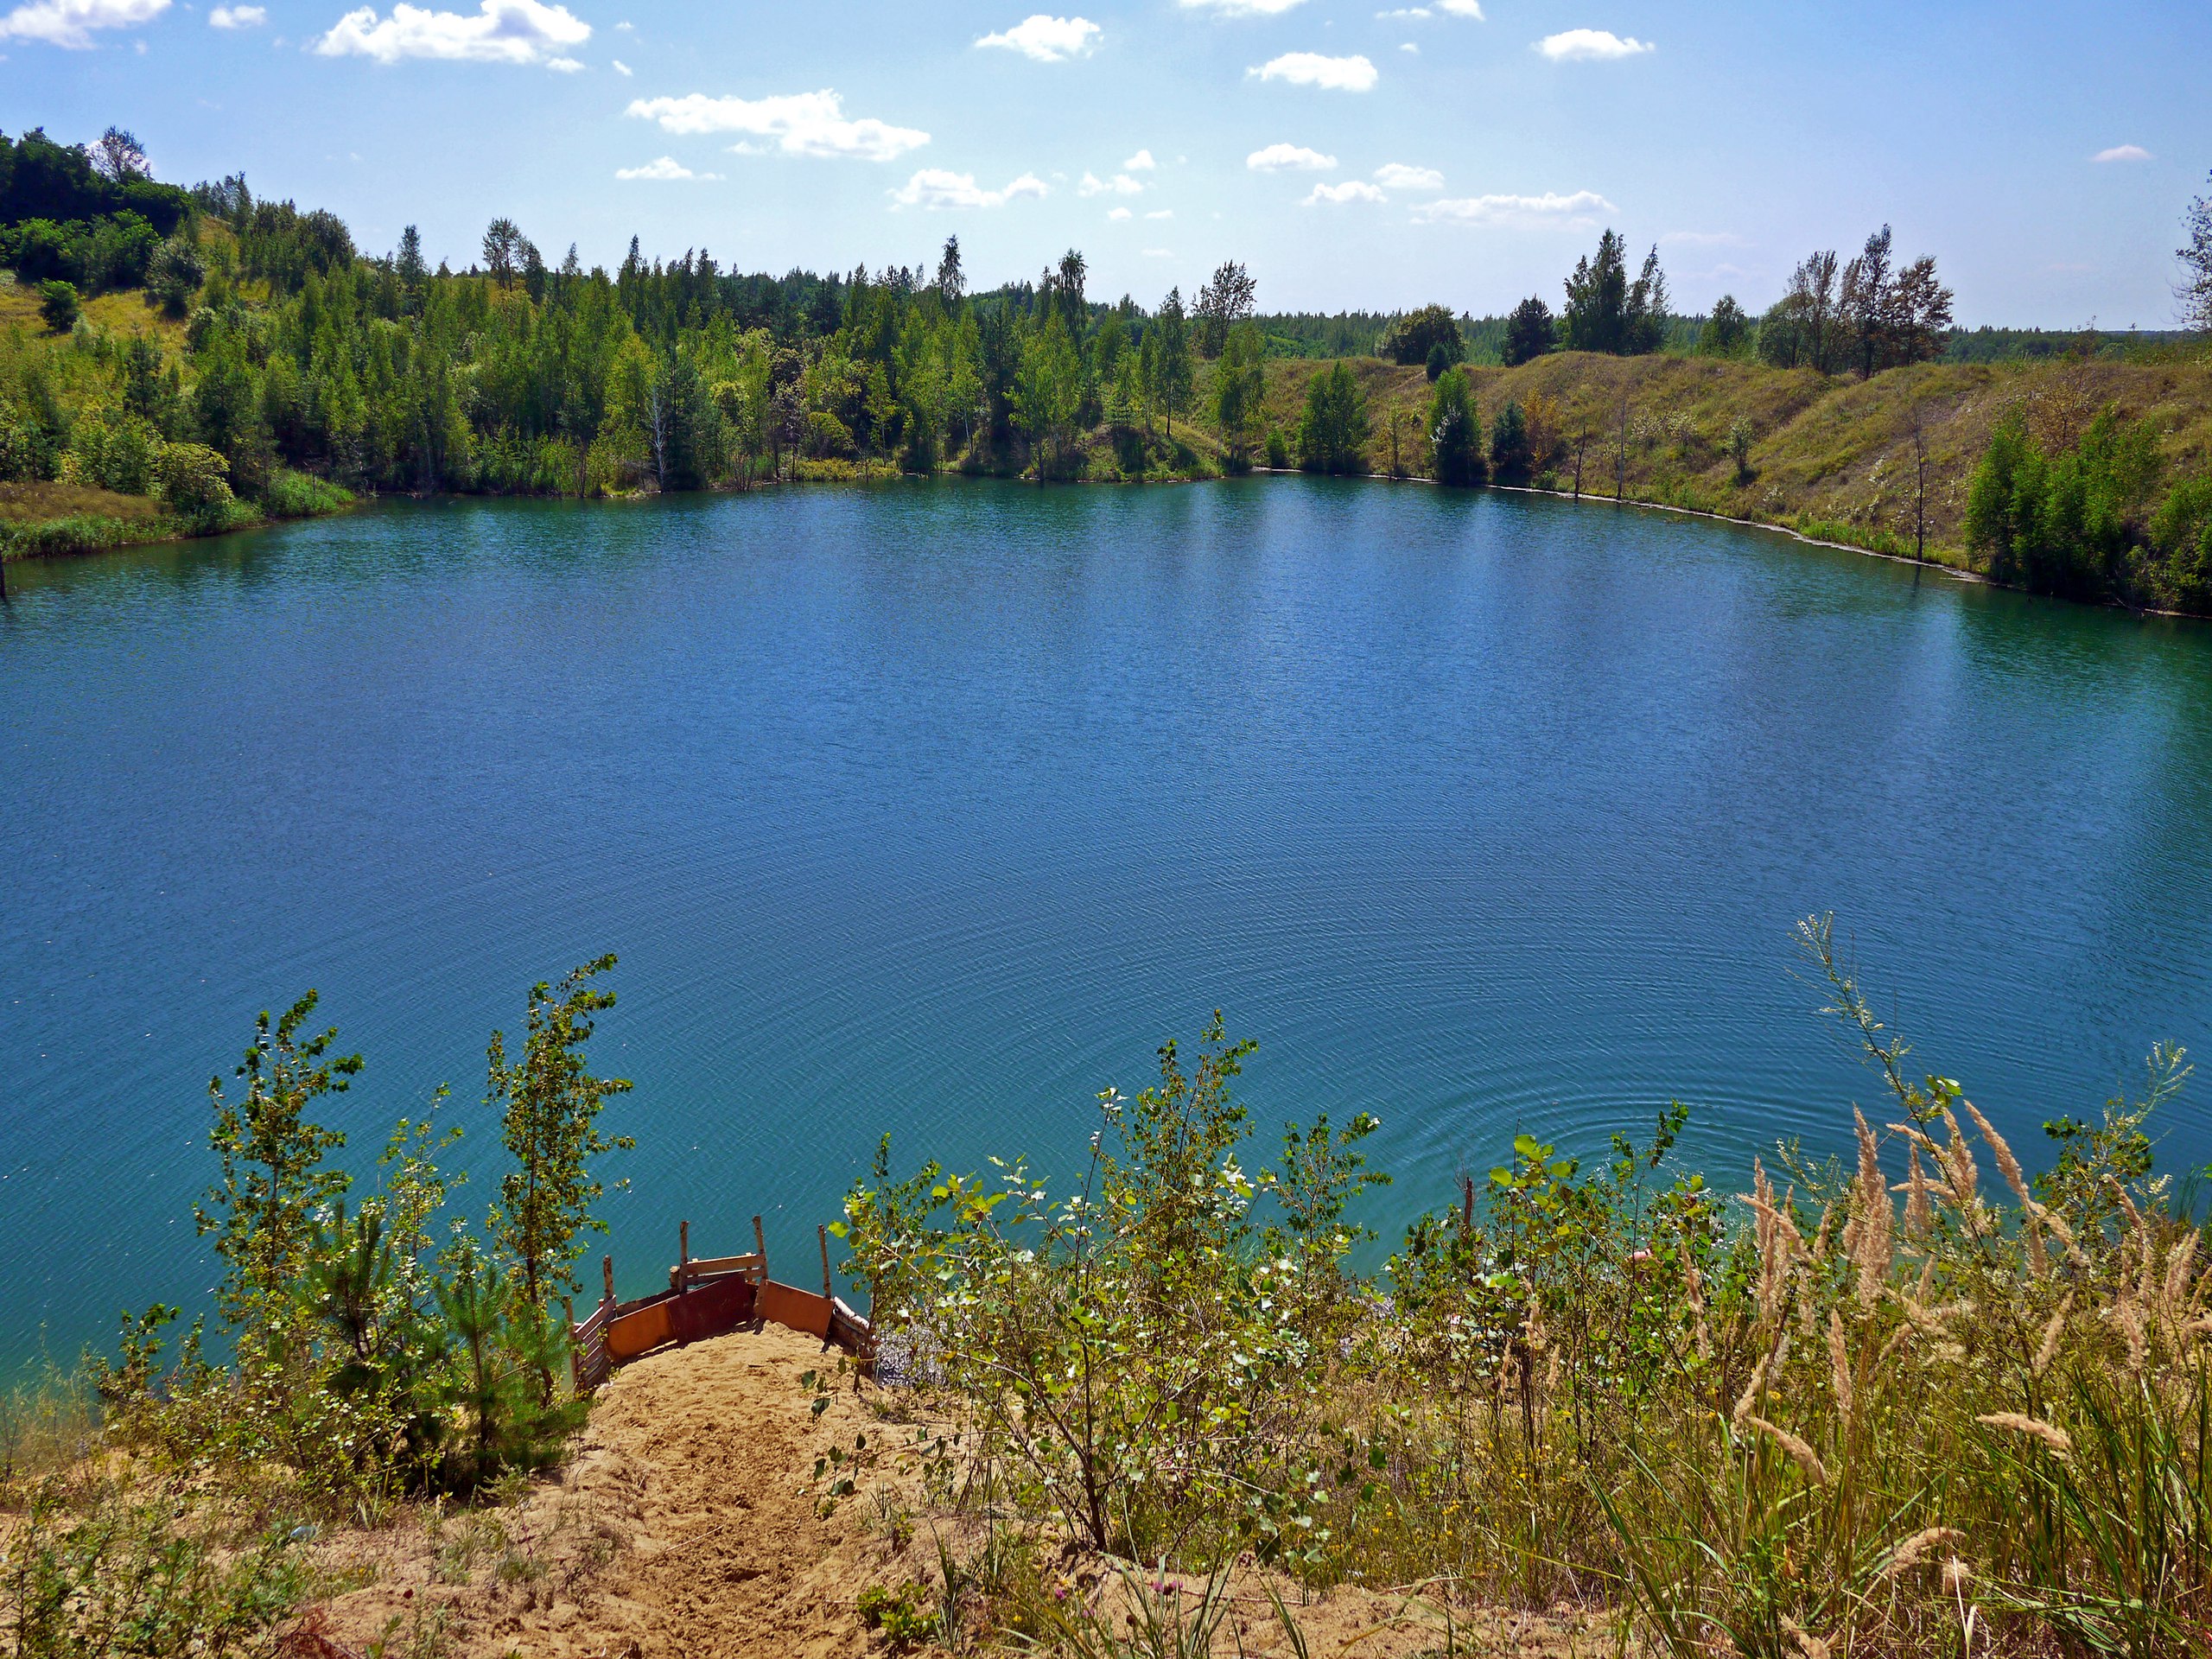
[[709, 1296]]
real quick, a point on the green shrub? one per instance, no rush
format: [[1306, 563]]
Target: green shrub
[[58, 304], [1333, 433], [301, 495]]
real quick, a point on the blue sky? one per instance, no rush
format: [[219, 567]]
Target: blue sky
[[1370, 156]]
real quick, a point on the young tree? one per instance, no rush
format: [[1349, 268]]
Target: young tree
[[118, 157], [1529, 332], [1240, 387], [1333, 433], [1224, 302], [2195, 290], [1866, 301], [952, 282], [1175, 372], [1595, 319], [1508, 444], [261, 1208], [1726, 332], [549, 1102], [1455, 431], [1801, 330], [1644, 318], [1048, 393], [503, 241]]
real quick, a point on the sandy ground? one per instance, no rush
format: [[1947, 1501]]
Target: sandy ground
[[689, 1522]]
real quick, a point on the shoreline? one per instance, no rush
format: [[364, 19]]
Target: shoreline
[[1955, 572]]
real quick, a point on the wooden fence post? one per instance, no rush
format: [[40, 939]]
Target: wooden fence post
[[576, 1354], [760, 1244], [682, 1256], [821, 1233], [606, 1273]]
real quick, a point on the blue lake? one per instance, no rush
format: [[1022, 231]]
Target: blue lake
[[932, 808]]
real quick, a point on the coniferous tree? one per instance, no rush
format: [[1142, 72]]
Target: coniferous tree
[[1529, 332], [1455, 432]]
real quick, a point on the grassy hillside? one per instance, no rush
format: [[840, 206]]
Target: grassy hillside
[[1831, 457]]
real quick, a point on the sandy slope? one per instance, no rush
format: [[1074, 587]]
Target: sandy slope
[[688, 1524]]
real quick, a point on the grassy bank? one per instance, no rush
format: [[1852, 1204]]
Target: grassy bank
[[1832, 458], [55, 520]]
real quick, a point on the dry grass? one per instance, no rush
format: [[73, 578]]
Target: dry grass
[[1832, 453], [35, 500]]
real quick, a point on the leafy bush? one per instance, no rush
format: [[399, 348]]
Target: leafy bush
[[195, 481], [301, 495], [2063, 523], [58, 306], [1333, 433]]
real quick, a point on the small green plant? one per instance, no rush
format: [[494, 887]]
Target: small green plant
[[905, 1615]]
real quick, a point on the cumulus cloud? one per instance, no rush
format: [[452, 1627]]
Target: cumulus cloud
[[1140, 163], [1352, 74], [1161, 212], [237, 17], [1048, 38], [666, 168], [70, 22], [1396, 176], [499, 31], [1159, 253], [1119, 185], [1585, 45], [620, 67], [1349, 190], [2122, 153], [1506, 210], [938, 187], [1284, 158], [1461, 8], [1241, 8], [801, 124], [1119, 213]]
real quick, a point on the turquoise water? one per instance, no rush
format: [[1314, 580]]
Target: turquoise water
[[932, 808]]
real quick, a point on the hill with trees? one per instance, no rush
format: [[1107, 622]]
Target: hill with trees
[[179, 361]]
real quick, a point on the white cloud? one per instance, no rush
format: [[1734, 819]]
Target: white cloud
[[938, 187], [1352, 74], [1461, 8], [1507, 210], [666, 168], [620, 67], [1119, 185], [2122, 153], [801, 123], [566, 65], [1140, 163], [1407, 45], [1119, 213], [1161, 212], [1282, 158], [1241, 8], [1396, 176], [1159, 253], [238, 17], [1404, 11], [70, 22], [1349, 190], [501, 31], [1048, 38], [1578, 45]]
